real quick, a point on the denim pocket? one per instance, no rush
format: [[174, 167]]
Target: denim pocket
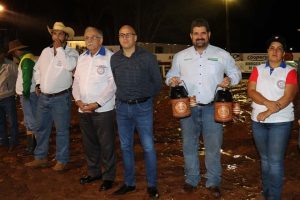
[[117, 104], [145, 106]]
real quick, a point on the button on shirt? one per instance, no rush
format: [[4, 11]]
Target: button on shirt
[[54, 73], [93, 80], [202, 73]]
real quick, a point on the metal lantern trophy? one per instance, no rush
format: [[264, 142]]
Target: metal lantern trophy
[[225, 107], [180, 102]]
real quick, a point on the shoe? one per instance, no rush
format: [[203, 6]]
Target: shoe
[[59, 166], [37, 163], [153, 193], [188, 187], [106, 185], [215, 191], [25, 153], [89, 179], [124, 189], [31, 142]]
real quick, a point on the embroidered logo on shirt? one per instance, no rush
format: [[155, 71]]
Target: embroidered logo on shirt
[[212, 59], [101, 69], [59, 63], [281, 84], [188, 59]]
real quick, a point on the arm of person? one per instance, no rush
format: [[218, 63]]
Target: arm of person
[[14, 73], [76, 93], [232, 71], [173, 75], [291, 89], [68, 57], [27, 73], [108, 93], [36, 75], [155, 74], [256, 96]]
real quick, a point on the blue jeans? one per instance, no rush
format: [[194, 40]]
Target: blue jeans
[[139, 116], [202, 121], [271, 140], [8, 119], [55, 109], [29, 111]]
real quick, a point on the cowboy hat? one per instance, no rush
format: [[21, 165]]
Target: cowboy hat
[[14, 45], [61, 27]]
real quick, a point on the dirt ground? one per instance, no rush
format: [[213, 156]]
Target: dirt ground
[[240, 162]]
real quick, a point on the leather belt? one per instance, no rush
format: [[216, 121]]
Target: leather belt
[[56, 94], [203, 104], [135, 101]]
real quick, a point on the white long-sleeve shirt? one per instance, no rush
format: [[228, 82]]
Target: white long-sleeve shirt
[[202, 73], [93, 80], [54, 73]]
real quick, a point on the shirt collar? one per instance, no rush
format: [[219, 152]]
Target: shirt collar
[[101, 52], [23, 54], [282, 64], [204, 51]]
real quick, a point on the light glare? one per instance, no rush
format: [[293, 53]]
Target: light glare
[[1, 8]]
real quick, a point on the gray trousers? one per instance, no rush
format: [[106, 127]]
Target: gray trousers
[[98, 134]]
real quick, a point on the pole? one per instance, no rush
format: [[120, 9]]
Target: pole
[[227, 26]]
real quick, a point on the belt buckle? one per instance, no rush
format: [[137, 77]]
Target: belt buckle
[[131, 101]]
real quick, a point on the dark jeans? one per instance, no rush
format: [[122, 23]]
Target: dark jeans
[[137, 116], [99, 143], [8, 118]]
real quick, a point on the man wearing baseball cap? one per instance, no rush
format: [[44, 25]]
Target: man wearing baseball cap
[[53, 75]]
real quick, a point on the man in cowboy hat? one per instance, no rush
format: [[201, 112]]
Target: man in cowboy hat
[[25, 88], [53, 75], [8, 113]]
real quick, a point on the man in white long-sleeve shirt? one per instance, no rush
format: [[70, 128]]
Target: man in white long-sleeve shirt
[[202, 68], [94, 93], [53, 75]]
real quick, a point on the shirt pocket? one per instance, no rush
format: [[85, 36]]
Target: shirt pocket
[[213, 67]]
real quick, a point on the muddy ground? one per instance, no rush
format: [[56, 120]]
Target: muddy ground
[[240, 162]]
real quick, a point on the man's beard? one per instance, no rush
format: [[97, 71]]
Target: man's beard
[[200, 43]]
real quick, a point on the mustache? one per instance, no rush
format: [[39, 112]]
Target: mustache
[[90, 43], [200, 40]]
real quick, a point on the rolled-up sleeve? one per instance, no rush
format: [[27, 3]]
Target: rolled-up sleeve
[[233, 71], [174, 71]]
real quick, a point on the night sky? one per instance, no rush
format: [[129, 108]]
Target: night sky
[[251, 22]]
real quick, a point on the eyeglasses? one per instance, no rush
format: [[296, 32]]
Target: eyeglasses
[[93, 37], [126, 35]]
